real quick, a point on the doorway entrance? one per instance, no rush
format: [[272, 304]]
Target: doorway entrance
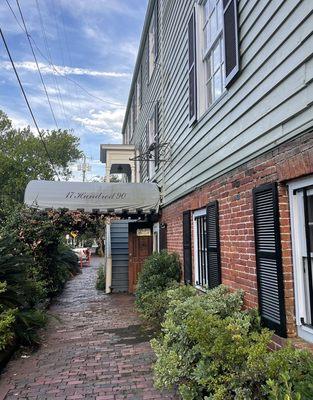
[[140, 247]]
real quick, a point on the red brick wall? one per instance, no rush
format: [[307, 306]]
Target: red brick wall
[[234, 193]]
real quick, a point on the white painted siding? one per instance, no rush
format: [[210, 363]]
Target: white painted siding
[[269, 103]]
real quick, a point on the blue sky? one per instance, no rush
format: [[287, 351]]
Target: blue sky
[[93, 42]]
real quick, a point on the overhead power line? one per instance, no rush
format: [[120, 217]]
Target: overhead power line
[[45, 39], [37, 65], [28, 104], [57, 71]]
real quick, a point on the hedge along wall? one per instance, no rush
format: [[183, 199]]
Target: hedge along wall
[[233, 191]]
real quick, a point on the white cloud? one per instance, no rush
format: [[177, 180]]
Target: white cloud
[[47, 69], [109, 122]]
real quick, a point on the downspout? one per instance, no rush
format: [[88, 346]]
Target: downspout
[[108, 257]]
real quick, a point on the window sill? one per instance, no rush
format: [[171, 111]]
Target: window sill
[[205, 113], [201, 289]]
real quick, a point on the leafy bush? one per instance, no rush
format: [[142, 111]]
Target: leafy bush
[[100, 284], [160, 272], [27, 324], [211, 349], [35, 264]]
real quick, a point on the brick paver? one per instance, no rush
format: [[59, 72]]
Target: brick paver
[[95, 349]]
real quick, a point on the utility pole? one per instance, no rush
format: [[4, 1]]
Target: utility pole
[[84, 167]]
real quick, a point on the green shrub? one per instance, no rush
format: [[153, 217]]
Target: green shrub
[[7, 319], [160, 272], [100, 283], [211, 349]]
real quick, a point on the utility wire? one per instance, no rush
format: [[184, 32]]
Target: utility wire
[[28, 104], [38, 68], [66, 120], [57, 71]]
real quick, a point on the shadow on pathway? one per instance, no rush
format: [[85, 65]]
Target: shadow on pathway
[[96, 350]]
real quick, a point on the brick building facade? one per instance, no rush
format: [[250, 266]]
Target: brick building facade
[[233, 191]]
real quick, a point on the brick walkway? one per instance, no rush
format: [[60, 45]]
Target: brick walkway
[[96, 350]]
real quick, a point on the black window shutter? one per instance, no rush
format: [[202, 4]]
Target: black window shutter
[[192, 68], [231, 40], [187, 247], [213, 244], [157, 138], [269, 258], [163, 237]]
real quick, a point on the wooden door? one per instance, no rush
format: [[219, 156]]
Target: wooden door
[[140, 247]]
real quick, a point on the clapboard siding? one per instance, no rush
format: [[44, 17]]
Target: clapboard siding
[[119, 247], [269, 103]]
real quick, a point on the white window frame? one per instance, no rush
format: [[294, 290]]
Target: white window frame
[[198, 213], [202, 54], [298, 241]]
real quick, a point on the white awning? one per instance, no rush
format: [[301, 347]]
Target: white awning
[[110, 198]]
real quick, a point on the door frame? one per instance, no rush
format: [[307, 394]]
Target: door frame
[[297, 239], [132, 228]]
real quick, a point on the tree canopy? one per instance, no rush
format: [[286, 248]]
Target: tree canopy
[[23, 156]]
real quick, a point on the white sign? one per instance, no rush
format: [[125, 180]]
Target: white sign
[[93, 196], [144, 232]]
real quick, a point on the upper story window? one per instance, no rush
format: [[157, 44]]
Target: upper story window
[[213, 52], [134, 112], [139, 90], [153, 40]]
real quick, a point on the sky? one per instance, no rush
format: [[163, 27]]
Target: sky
[[93, 42]]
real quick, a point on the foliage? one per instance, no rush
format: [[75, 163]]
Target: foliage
[[211, 349], [160, 271], [35, 264], [7, 319], [100, 284], [27, 324], [23, 157]]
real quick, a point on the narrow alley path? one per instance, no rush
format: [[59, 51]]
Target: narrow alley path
[[93, 349]]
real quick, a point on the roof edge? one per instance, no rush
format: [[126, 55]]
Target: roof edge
[[138, 59]]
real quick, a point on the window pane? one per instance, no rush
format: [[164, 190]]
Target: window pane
[[213, 24], [206, 10], [209, 92], [207, 36], [209, 72], [216, 57], [217, 84], [219, 9]]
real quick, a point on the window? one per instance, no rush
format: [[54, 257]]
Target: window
[[134, 112], [213, 52], [139, 90], [301, 207], [207, 247], [153, 40], [200, 246]]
